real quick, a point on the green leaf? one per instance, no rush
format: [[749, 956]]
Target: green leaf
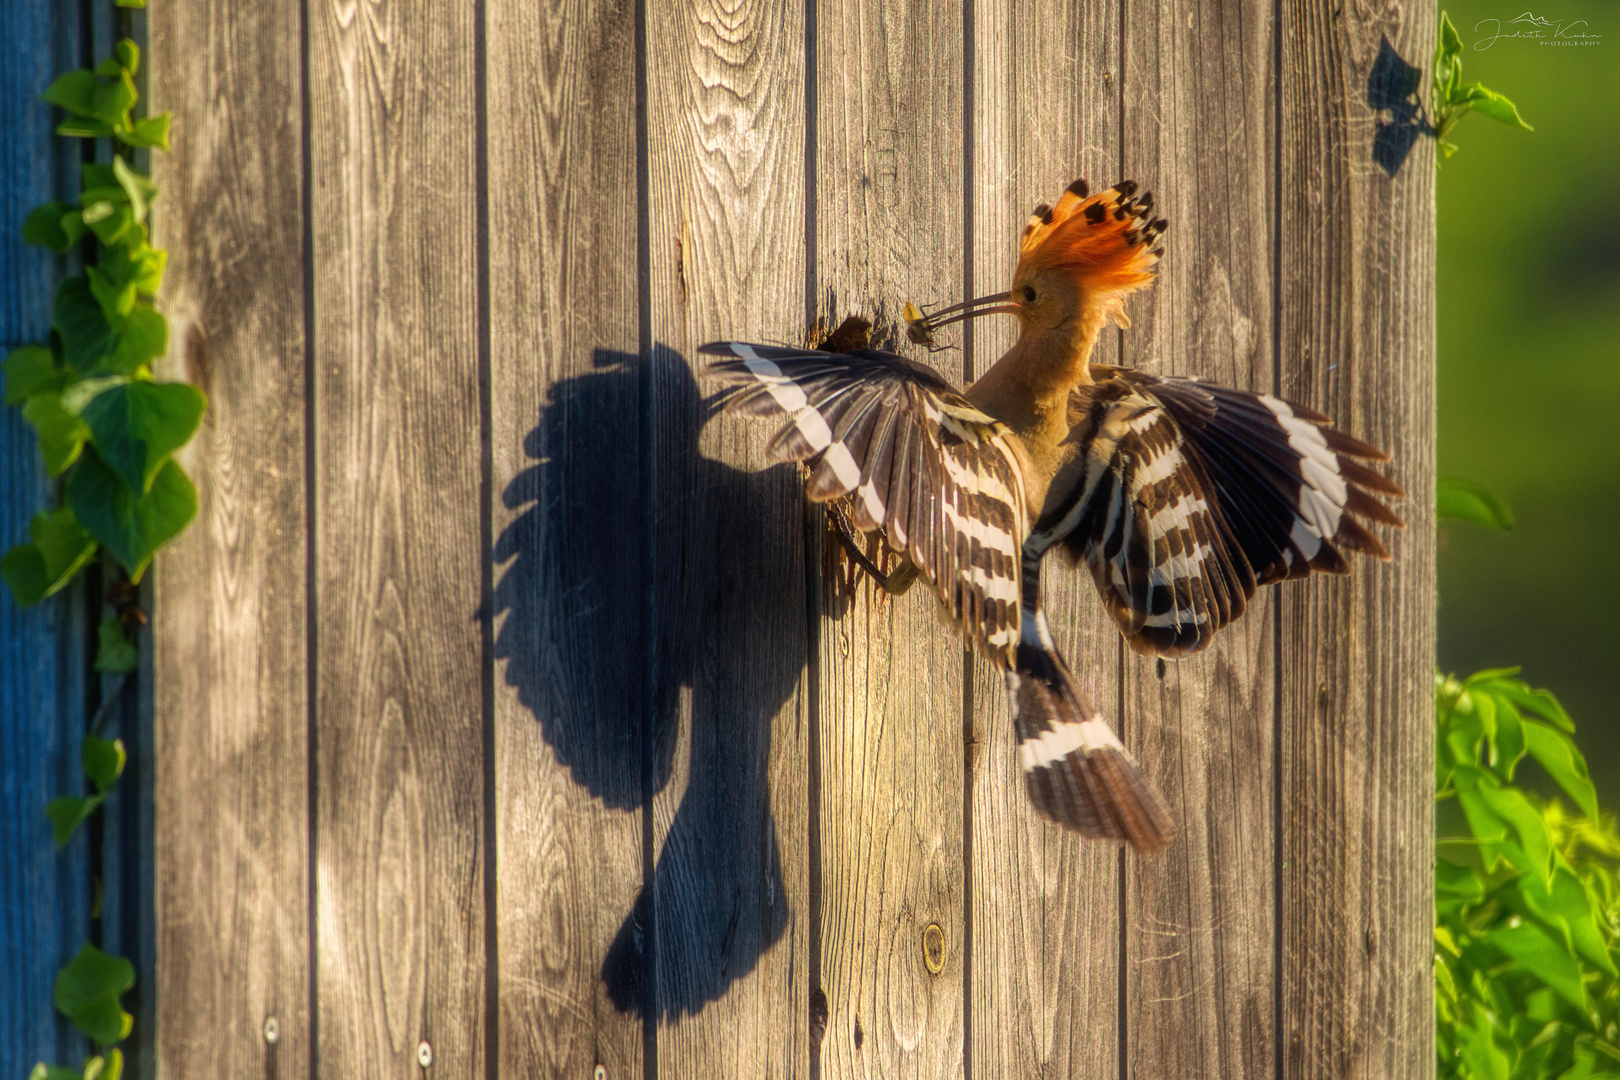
[[43, 226], [1490, 103], [1555, 751], [1457, 499], [138, 425], [137, 188], [144, 335], [103, 759], [151, 131], [74, 91], [1542, 956], [111, 226], [62, 435], [131, 528], [88, 989], [92, 176], [83, 128], [1566, 908], [43, 1071], [30, 370], [87, 338], [60, 549], [130, 3], [128, 55], [1453, 880], [68, 812], [114, 652], [111, 1068], [133, 262], [117, 299], [1450, 41]]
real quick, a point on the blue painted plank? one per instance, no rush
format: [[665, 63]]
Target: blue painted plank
[[43, 893]]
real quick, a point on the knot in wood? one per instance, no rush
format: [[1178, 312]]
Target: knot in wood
[[933, 947]]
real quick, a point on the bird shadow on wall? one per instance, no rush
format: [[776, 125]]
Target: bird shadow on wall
[[600, 635]]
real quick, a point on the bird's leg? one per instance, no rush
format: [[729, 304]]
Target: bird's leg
[[895, 583]]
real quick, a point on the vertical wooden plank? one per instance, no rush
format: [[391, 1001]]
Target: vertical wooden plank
[[1199, 944], [1357, 341], [43, 893], [725, 138], [889, 205], [230, 749], [399, 886], [1045, 998], [567, 476]]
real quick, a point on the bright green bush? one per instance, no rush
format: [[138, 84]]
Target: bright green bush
[[1527, 898]]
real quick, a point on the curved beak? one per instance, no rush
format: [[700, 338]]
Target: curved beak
[[920, 328]]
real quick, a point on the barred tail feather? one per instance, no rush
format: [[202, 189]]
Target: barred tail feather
[[1077, 771]]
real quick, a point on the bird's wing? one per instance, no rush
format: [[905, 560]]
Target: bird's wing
[[1192, 495], [941, 479]]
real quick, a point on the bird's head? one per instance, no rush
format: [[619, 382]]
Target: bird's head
[[1078, 260]]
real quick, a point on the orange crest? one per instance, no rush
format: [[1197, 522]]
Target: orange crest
[[1106, 240]]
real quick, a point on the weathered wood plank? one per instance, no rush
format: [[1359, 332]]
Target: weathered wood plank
[[230, 749], [888, 211], [567, 455], [1356, 340], [44, 896], [399, 886], [725, 137], [1199, 926], [1045, 982]]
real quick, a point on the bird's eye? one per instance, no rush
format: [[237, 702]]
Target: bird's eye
[[1029, 294]]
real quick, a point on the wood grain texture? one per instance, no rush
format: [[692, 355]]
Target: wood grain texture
[[1357, 340], [1199, 933], [230, 749], [44, 893], [568, 509], [889, 204], [1045, 982], [725, 137], [399, 885]]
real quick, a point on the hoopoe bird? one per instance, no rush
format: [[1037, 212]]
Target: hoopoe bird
[[1180, 497]]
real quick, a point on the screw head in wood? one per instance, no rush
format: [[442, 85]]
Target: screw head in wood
[[933, 944], [601, 1072], [272, 1030], [424, 1054]]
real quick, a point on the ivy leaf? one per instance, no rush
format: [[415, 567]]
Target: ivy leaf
[[81, 128], [109, 221], [87, 338], [1542, 957], [103, 759], [144, 335], [117, 299], [131, 527], [43, 226], [113, 651], [62, 435], [43, 1071], [137, 188], [1457, 499], [137, 425], [74, 91], [59, 550], [68, 812], [30, 370], [1555, 751], [151, 131], [110, 1068], [92, 176], [88, 989], [128, 55]]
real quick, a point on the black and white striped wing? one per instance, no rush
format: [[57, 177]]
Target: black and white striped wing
[[940, 478], [1193, 495]]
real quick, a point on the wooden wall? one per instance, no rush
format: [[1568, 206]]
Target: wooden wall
[[511, 716]]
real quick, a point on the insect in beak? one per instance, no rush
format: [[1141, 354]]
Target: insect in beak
[[920, 327]]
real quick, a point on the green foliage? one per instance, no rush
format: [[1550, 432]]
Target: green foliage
[[1453, 98], [103, 423], [1457, 499], [88, 990], [1527, 902], [110, 432]]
